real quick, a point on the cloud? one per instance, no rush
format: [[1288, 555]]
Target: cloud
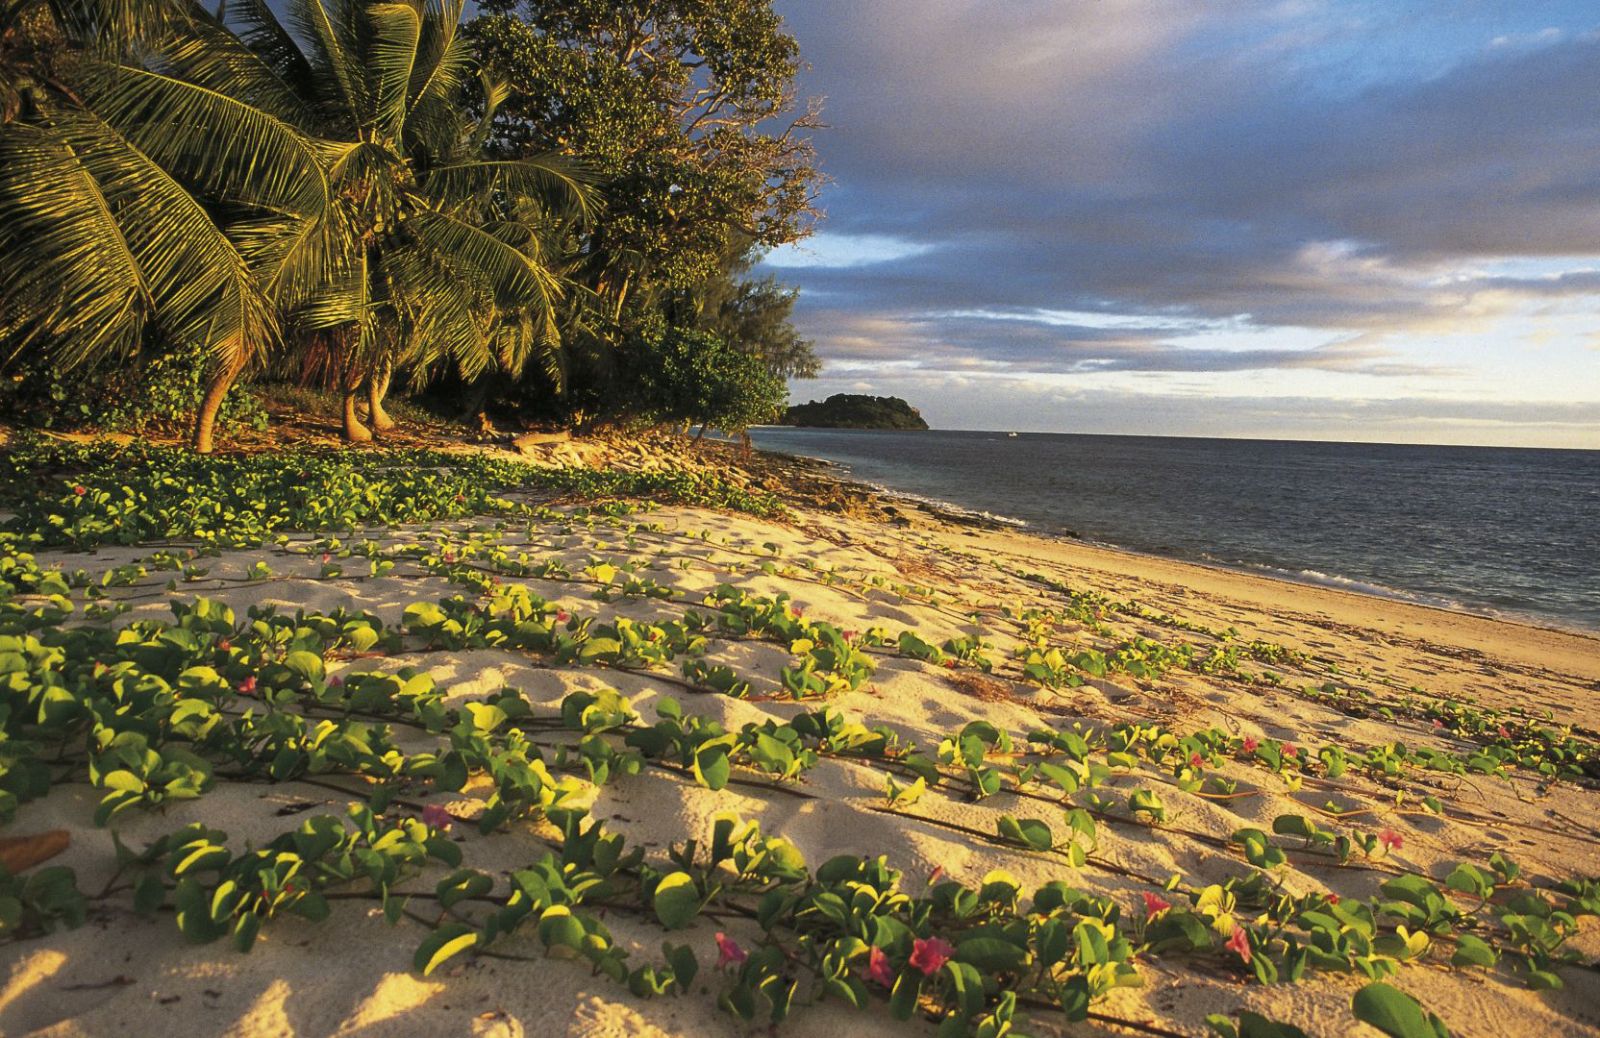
[[956, 400], [1045, 343], [826, 249], [1076, 186]]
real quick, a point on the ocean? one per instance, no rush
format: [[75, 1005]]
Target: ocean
[[1506, 532]]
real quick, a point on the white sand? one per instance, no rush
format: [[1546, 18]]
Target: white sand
[[349, 976]]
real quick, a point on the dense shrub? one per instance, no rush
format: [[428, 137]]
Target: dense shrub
[[159, 394], [689, 376]]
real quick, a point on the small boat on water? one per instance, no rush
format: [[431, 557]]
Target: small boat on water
[[1011, 435]]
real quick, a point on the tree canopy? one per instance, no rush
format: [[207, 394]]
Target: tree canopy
[[364, 190]]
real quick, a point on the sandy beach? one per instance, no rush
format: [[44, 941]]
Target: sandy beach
[[1315, 667]]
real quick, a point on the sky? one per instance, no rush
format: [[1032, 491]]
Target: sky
[[1304, 219]]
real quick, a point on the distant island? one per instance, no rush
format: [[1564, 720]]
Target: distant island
[[856, 411]]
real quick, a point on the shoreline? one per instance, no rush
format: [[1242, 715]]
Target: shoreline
[[960, 515], [1264, 603]]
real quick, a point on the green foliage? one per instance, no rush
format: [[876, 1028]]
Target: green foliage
[[684, 376], [1396, 1013], [686, 113], [674, 104], [159, 394], [84, 495], [147, 713], [752, 314]]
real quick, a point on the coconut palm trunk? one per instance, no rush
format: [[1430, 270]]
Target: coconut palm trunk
[[352, 377], [205, 423], [377, 389]]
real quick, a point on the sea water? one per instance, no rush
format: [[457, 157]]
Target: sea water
[[1504, 531]]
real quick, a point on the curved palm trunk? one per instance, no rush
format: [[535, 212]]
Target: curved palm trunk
[[354, 431], [205, 420], [351, 379], [377, 389]]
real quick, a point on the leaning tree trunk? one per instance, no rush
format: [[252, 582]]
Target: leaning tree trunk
[[352, 376], [354, 431], [377, 389], [474, 407], [205, 422]]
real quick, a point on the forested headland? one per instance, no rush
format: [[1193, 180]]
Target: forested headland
[[855, 411]]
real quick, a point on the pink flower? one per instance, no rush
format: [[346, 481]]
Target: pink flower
[[1290, 750], [326, 558], [80, 489], [1251, 744], [1196, 761], [935, 875], [728, 951], [1239, 943], [247, 687], [1154, 905], [1505, 733], [1437, 723], [930, 955], [435, 817], [1391, 840], [878, 970], [951, 664], [562, 616], [224, 645], [851, 636], [799, 614], [336, 681], [1333, 899]]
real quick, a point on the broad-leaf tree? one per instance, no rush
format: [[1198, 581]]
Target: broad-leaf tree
[[753, 313], [687, 108]]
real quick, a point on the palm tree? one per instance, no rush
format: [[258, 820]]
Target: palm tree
[[433, 256], [101, 241], [321, 181]]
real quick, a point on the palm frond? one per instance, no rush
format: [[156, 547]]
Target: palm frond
[[261, 31], [444, 61], [228, 148], [333, 47], [503, 274], [294, 259], [210, 55], [438, 324], [561, 186], [199, 286], [71, 289], [495, 93], [398, 30], [116, 27], [111, 221]]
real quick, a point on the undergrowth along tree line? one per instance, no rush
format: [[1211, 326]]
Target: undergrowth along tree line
[[550, 209]]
